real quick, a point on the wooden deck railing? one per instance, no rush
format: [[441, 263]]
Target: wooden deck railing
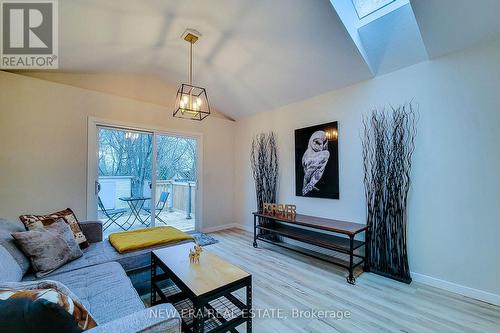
[[182, 193]]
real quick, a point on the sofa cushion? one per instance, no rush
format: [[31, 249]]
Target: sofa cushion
[[49, 247], [11, 271], [102, 252], [54, 300], [104, 290], [161, 318], [92, 230], [35, 221], [7, 227]]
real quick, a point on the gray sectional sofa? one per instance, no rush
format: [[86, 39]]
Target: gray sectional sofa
[[98, 279]]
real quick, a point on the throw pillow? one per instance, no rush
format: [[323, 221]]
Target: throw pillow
[[23, 315], [40, 284], [34, 221], [62, 229], [42, 310], [49, 247]]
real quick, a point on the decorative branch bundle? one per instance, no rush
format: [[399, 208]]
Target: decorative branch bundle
[[388, 145], [264, 161]]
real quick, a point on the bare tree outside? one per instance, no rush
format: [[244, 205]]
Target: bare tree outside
[[120, 155], [176, 157]]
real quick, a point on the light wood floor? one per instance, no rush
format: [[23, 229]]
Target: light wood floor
[[285, 280]]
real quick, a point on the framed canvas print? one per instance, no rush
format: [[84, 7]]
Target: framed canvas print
[[317, 161]]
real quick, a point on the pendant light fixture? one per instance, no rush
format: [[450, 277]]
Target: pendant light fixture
[[191, 101]]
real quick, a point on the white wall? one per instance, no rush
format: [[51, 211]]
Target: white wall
[[43, 146], [454, 205], [454, 218], [141, 87]]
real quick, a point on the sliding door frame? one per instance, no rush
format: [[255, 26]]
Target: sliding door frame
[[92, 160]]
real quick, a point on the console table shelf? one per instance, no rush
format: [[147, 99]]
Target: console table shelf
[[332, 242], [324, 233]]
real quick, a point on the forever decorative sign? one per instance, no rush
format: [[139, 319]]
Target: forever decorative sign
[[280, 209]]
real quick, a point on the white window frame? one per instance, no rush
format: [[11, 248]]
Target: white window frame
[[92, 159]]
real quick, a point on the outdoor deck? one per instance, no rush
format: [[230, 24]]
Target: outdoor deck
[[175, 219]]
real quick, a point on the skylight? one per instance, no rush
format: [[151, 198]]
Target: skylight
[[367, 7]]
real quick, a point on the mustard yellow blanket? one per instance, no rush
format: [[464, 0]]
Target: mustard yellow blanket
[[143, 238]]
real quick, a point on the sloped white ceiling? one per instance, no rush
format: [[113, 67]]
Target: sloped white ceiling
[[260, 54], [253, 55], [451, 25]]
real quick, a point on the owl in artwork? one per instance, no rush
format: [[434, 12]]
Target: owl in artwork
[[314, 161]]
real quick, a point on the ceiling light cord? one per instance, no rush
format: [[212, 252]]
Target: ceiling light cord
[[190, 63]]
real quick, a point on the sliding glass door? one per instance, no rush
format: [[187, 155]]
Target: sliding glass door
[[176, 180], [130, 164], [124, 179]]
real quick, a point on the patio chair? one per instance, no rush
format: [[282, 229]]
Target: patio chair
[[160, 205], [112, 216]]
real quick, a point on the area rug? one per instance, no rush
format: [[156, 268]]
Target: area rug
[[203, 239]]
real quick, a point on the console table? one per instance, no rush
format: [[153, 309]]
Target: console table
[[335, 235]]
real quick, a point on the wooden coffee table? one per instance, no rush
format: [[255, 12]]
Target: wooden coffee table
[[209, 287]]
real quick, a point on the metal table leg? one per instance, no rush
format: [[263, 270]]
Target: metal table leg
[[153, 276], [249, 306], [198, 319], [350, 278], [254, 231]]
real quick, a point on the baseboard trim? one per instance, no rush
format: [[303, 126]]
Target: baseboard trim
[[248, 228], [477, 294], [220, 227]]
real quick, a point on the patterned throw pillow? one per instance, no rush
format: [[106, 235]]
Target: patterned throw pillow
[[51, 296], [34, 221], [48, 247]]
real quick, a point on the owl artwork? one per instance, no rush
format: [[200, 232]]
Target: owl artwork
[[317, 161], [314, 161]]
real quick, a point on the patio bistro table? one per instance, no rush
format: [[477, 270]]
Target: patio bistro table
[[136, 204]]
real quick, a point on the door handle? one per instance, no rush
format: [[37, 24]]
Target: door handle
[[97, 187]]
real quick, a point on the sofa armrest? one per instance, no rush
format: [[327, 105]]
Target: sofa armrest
[[159, 318], [92, 230]]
